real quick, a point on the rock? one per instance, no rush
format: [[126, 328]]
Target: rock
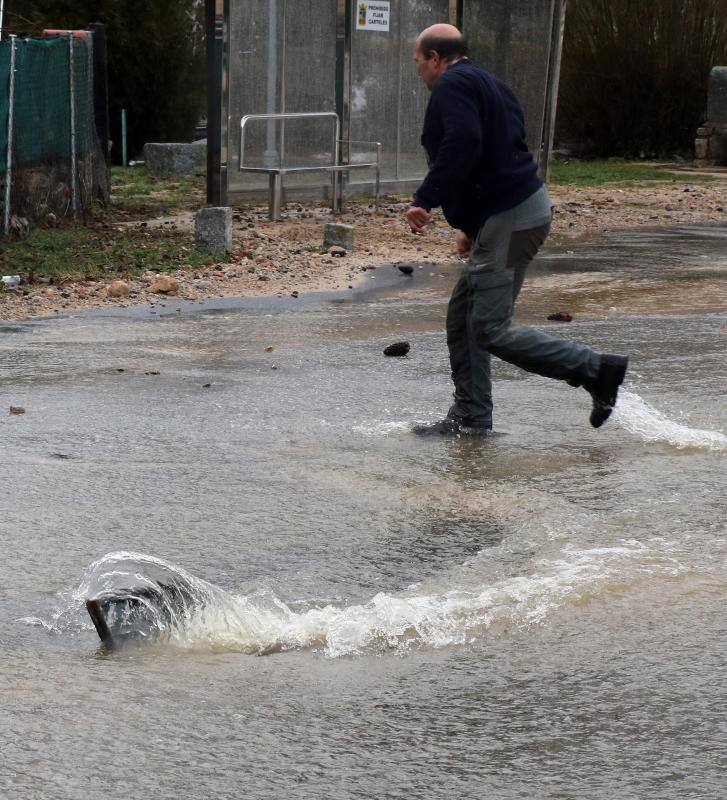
[[163, 284], [213, 229], [560, 316], [337, 252], [405, 269], [397, 349], [294, 294], [269, 349], [336, 234], [117, 289], [175, 158], [17, 410]]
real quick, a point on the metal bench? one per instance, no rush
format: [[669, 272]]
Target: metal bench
[[335, 167]]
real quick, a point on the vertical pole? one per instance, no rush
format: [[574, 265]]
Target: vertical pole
[[214, 32], [89, 125], [270, 158], [399, 69], [2, 14], [9, 158], [124, 161], [72, 87], [282, 83], [553, 79], [344, 27]]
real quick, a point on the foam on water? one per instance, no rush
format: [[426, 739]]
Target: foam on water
[[638, 417], [432, 614], [382, 428]]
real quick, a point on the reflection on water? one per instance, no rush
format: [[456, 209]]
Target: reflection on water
[[540, 613]]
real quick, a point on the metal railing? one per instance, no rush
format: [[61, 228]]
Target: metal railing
[[336, 168]]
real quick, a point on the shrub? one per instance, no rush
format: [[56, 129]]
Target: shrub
[[155, 60], [635, 73]]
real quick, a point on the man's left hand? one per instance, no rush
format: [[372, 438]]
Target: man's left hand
[[417, 218]]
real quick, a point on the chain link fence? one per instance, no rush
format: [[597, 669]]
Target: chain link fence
[[50, 154]]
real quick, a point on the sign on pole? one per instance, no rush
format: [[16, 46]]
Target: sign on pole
[[372, 16]]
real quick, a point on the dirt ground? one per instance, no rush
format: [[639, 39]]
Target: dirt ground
[[286, 257]]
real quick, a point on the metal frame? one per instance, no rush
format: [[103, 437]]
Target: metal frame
[[9, 157], [336, 169], [219, 123], [72, 104]]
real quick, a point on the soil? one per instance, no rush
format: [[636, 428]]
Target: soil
[[286, 257]]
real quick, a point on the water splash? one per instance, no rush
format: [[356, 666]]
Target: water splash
[[638, 417], [434, 614], [382, 428]]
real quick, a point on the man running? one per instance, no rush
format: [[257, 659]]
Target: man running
[[485, 179]]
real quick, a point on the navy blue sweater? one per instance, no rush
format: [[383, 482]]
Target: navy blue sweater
[[474, 137]]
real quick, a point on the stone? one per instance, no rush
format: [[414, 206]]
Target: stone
[[17, 410], [337, 252], [336, 234], [117, 289], [175, 158], [560, 316], [397, 349], [701, 148], [213, 229], [163, 284]]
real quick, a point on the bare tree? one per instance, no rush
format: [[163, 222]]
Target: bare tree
[[635, 72]]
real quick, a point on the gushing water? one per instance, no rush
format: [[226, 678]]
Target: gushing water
[[638, 417], [436, 613]]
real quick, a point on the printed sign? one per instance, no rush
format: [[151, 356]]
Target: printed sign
[[372, 16]]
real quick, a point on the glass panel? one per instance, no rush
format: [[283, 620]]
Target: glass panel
[[282, 59], [511, 38], [387, 97]]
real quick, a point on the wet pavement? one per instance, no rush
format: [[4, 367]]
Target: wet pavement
[[539, 614]]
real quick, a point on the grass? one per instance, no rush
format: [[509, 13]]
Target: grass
[[103, 249], [96, 253], [135, 194], [610, 171]]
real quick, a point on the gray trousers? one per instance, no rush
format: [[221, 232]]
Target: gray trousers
[[479, 323]]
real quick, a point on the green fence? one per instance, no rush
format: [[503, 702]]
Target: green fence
[[49, 150]]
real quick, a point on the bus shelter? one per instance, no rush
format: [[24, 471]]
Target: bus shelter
[[350, 63]]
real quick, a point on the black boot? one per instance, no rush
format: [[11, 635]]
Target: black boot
[[604, 389], [451, 426]]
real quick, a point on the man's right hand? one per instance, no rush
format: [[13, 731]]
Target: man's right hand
[[417, 218], [464, 244]]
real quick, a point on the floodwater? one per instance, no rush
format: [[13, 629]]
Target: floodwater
[[536, 615]]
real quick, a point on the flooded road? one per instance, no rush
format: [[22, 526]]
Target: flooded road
[[535, 615]]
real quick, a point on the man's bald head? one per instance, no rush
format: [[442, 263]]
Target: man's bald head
[[436, 47], [445, 40]]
